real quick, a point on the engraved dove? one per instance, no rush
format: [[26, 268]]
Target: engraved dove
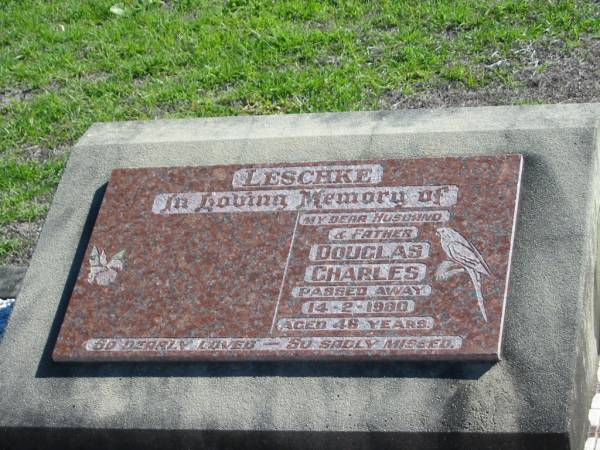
[[462, 256], [102, 271]]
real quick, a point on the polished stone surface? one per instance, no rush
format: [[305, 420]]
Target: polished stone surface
[[383, 259]]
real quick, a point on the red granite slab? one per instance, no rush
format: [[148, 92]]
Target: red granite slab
[[394, 259]]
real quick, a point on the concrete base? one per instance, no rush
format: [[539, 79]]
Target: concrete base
[[11, 278], [537, 397]]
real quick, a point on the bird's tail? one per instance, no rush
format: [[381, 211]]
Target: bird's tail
[[476, 279]]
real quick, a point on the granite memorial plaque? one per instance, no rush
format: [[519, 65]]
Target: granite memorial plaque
[[392, 259]]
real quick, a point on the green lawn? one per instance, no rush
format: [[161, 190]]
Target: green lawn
[[67, 64]]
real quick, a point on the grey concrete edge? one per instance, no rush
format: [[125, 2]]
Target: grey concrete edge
[[586, 358], [11, 278], [488, 118]]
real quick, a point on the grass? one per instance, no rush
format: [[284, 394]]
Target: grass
[[67, 64]]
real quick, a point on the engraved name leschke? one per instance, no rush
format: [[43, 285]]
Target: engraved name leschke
[[308, 176]]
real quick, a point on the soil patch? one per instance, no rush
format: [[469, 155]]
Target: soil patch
[[545, 74]]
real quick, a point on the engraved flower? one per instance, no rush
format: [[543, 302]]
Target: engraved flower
[[102, 271]]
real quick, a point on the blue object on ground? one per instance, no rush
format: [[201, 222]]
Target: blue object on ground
[[5, 310]]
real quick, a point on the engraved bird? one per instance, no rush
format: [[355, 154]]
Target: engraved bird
[[462, 256]]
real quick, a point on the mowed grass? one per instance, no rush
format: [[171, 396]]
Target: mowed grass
[[67, 64]]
